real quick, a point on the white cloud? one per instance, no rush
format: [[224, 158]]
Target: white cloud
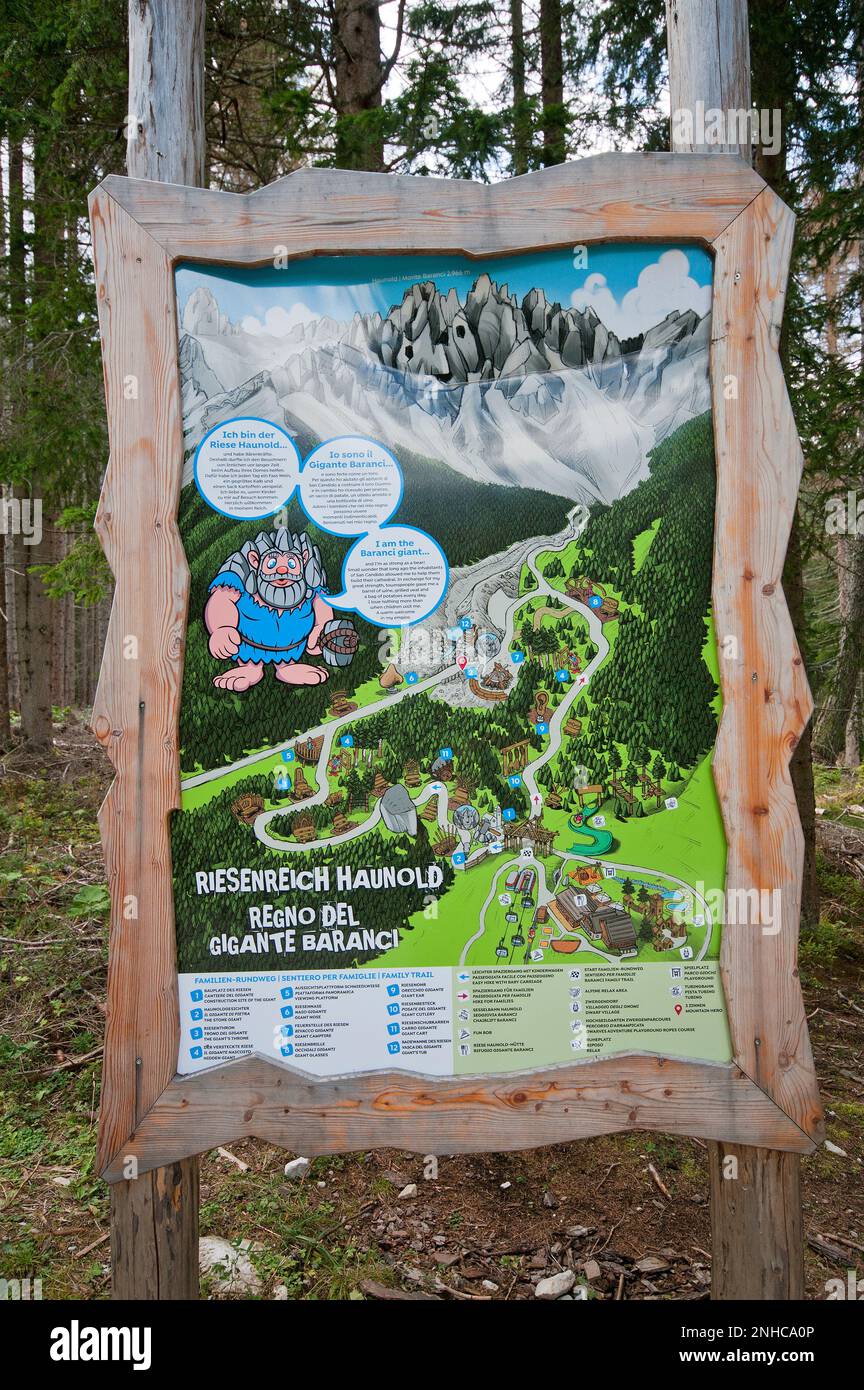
[[664, 285], [278, 322]]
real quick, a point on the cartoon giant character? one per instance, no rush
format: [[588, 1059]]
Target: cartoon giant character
[[267, 607]]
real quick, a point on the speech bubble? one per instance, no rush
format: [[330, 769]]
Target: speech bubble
[[350, 485], [393, 576], [247, 468]]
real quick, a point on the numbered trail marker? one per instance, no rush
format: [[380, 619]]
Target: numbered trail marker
[[406, 529]]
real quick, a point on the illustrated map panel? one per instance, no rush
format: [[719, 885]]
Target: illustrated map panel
[[450, 690]]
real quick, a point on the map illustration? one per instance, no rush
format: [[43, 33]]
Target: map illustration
[[451, 684]]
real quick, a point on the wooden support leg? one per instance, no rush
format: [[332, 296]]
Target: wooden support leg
[[154, 1234], [758, 1247]]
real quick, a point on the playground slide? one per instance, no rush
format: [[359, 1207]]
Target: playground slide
[[599, 842]]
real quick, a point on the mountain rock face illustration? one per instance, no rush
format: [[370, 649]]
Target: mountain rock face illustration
[[526, 393]]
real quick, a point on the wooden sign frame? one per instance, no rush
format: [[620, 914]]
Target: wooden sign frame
[[768, 1095]]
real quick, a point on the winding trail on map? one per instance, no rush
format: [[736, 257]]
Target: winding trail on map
[[469, 592]]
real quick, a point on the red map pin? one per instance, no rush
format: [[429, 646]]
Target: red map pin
[[461, 662], [679, 1008]]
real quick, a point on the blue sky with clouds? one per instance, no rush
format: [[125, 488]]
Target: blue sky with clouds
[[630, 286]]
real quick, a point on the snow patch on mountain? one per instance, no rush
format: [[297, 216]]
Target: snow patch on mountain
[[515, 393]]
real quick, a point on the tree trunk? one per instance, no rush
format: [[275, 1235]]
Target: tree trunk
[[154, 1218], [33, 609], [521, 117], [5, 723], [17, 310], [165, 124], [709, 63], [359, 78], [552, 83], [33, 639]]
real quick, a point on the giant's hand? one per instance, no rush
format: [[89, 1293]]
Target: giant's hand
[[224, 642]]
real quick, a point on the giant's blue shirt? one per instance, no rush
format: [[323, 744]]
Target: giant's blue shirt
[[269, 634]]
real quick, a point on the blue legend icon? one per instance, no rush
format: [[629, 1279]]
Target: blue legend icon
[[196, 1014], [394, 1009], [196, 1052], [392, 990], [287, 1030], [287, 1011], [393, 1029], [287, 992], [196, 996], [287, 1049], [393, 1048], [196, 1032]]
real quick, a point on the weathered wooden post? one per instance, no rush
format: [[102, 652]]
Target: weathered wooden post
[[154, 1217], [758, 1250]]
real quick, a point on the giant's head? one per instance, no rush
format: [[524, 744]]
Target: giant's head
[[279, 566]]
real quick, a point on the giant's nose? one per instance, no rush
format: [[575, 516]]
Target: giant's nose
[[282, 565]]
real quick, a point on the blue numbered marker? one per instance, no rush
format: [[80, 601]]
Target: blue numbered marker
[[542, 727], [595, 601], [446, 754], [347, 740], [465, 624], [471, 673], [562, 675], [411, 677], [287, 755], [459, 857], [514, 779], [517, 658], [508, 813]]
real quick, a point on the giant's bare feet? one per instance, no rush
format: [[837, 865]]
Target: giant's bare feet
[[240, 677], [298, 673]]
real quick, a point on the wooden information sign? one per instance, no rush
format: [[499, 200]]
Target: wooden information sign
[[450, 685]]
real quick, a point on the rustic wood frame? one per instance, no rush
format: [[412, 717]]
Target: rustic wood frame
[[768, 1095]]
